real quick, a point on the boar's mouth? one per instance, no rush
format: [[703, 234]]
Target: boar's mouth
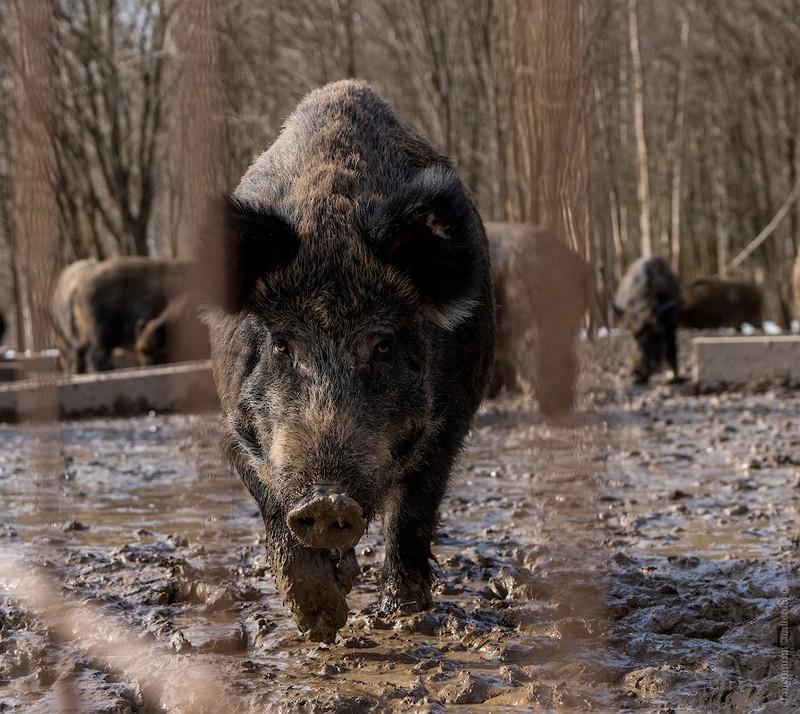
[[328, 520]]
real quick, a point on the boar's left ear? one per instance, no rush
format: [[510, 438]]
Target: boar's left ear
[[243, 243], [429, 231]]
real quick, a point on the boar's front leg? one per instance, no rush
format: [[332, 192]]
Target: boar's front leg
[[409, 524], [313, 582]]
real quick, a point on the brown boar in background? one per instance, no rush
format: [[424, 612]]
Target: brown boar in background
[[708, 303], [99, 306], [542, 293]]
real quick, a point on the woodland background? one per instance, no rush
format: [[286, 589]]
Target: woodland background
[[629, 126]]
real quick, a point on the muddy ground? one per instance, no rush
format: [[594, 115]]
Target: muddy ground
[[641, 555]]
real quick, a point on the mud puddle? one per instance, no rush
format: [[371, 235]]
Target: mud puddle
[[641, 556]]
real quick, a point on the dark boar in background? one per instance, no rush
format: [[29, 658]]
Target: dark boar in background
[[175, 335], [715, 302], [541, 290], [352, 333], [98, 306], [647, 303]]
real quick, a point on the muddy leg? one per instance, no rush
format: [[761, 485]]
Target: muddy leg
[[313, 582], [409, 525]]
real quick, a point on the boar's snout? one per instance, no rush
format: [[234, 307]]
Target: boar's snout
[[329, 520]]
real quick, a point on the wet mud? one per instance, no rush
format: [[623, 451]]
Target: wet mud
[[641, 555]]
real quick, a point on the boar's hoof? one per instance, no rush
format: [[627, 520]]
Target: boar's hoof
[[404, 599], [332, 521]]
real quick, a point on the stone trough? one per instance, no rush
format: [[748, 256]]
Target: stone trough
[[739, 360], [42, 395]]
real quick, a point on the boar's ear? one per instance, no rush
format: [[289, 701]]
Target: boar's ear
[[429, 231], [242, 242]]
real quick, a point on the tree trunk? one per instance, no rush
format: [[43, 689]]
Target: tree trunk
[[198, 132], [719, 185], [35, 244], [643, 186], [677, 160]]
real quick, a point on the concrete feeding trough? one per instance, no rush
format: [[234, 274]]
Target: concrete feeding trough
[[738, 360], [187, 387], [14, 365]]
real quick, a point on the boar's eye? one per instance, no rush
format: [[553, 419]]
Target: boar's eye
[[382, 349], [281, 348]]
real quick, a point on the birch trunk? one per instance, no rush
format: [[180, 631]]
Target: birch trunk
[[643, 186], [35, 240], [677, 161]]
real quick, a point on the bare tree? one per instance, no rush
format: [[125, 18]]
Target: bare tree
[[198, 133], [34, 207], [643, 167], [677, 160], [110, 90]]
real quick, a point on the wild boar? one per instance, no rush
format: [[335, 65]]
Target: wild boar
[[352, 332], [647, 302], [542, 290], [716, 302], [175, 335], [100, 305]]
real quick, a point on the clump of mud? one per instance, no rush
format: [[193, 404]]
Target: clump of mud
[[641, 555]]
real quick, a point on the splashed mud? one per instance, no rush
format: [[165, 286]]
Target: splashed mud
[[639, 556]]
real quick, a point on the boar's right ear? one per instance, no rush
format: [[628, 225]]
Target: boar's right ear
[[242, 243], [429, 231]]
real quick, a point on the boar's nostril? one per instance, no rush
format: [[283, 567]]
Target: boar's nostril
[[332, 521]]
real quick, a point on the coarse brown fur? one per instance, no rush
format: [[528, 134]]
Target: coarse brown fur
[[542, 292], [708, 303]]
